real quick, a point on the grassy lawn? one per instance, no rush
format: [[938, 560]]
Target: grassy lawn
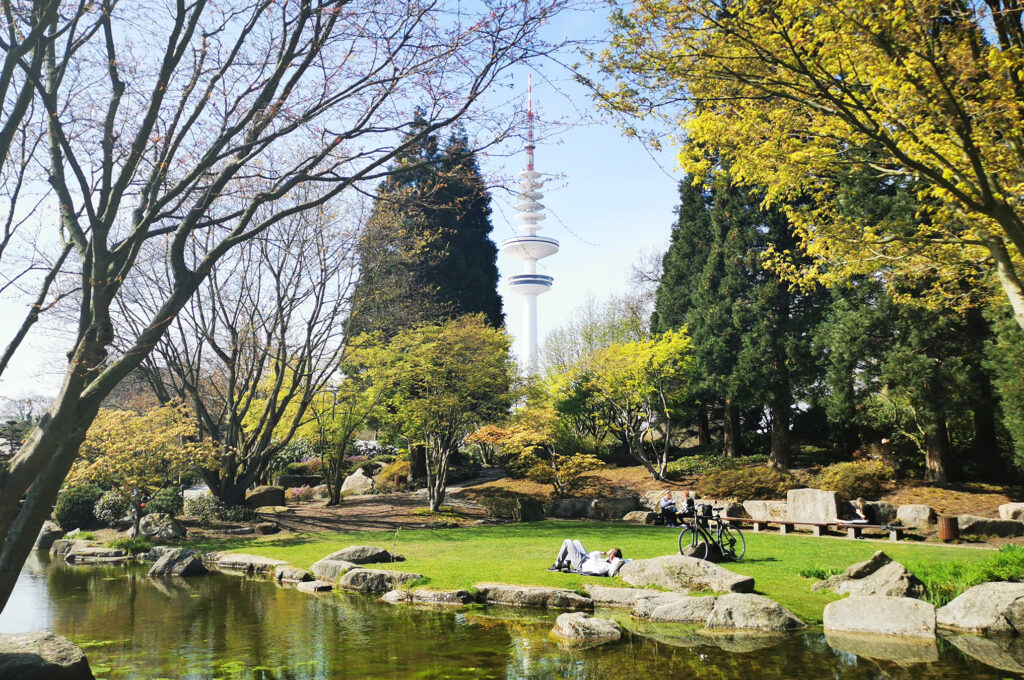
[[520, 553]]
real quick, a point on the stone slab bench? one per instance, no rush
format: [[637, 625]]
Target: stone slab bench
[[896, 533]]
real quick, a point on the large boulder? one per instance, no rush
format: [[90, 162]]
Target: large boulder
[[50, 532], [568, 508], [972, 525], [812, 505], [42, 656], [96, 554], [747, 611], [766, 510], [160, 526], [445, 598], [178, 562], [286, 573], [901, 616], [879, 575], [265, 495], [986, 608], [532, 596], [639, 517], [918, 516], [590, 508], [618, 598], [901, 650], [331, 570], [357, 484], [680, 573], [582, 627], [364, 554], [1014, 511], [375, 580], [674, 608], [252, 564], [62, 546], [611, 508]]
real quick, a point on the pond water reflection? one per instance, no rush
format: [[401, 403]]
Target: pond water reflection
[[225, 626]]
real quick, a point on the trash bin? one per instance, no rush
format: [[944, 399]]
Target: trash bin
[[949, 529]]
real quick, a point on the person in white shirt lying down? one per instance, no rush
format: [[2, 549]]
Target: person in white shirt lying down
[[574, 556]]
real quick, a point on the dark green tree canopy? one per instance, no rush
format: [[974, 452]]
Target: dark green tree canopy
[[427, 255]]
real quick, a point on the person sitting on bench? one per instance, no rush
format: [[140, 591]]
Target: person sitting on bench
[[574, 556], [668, 509], [861, 513]]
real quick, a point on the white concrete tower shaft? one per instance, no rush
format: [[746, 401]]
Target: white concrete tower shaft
[[529, 247]]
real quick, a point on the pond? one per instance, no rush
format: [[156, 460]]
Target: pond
[[227, 626]]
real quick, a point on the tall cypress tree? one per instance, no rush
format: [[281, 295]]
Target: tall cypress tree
[[426, 255]]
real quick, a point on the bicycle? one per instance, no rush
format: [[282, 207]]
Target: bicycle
[[727, 539]]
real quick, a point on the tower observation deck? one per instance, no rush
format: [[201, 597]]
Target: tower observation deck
[[529, 247]]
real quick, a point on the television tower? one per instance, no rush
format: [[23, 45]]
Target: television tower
[[529, 247]]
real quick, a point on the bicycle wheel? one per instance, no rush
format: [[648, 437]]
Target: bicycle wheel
[[690, 538], [734, 546]]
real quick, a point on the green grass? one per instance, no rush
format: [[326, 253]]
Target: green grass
[[520, 553]]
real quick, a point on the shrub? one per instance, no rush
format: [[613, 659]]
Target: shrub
[[500, 507], [695, 466], [296, 468], [204, 509], [746, 483], [84, 536], [301, 494], [74, 508], [239, 513], [111, 507], [865, 478], [392, 477], [167, 500], [133, 545]]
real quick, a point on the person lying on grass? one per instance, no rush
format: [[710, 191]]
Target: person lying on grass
[[574, 556]]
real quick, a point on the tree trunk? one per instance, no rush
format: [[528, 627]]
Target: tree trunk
[[936, 455], [782, 441], [733, 433], [703, 426], [417, 461], [984, 444]]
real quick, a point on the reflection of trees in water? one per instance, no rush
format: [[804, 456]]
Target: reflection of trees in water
[[207, 626]]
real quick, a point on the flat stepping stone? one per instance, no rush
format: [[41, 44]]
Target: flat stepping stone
[[582, 627], [315, 587], [447, 598], [376, 580], [683, 574], [674, 608], [618, 598], [746, 611], [364, 554], [894, 616], [253, 564], [533, 596]]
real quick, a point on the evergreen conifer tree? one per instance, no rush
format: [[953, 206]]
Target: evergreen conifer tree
[[426, 254], [749, 330]]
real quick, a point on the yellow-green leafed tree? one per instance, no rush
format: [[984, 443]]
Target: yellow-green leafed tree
[[437, 383], [140, 453], [540, 443], [639, 386], [803, 97]]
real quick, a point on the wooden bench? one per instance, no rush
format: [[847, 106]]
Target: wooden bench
[[819, 528]]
